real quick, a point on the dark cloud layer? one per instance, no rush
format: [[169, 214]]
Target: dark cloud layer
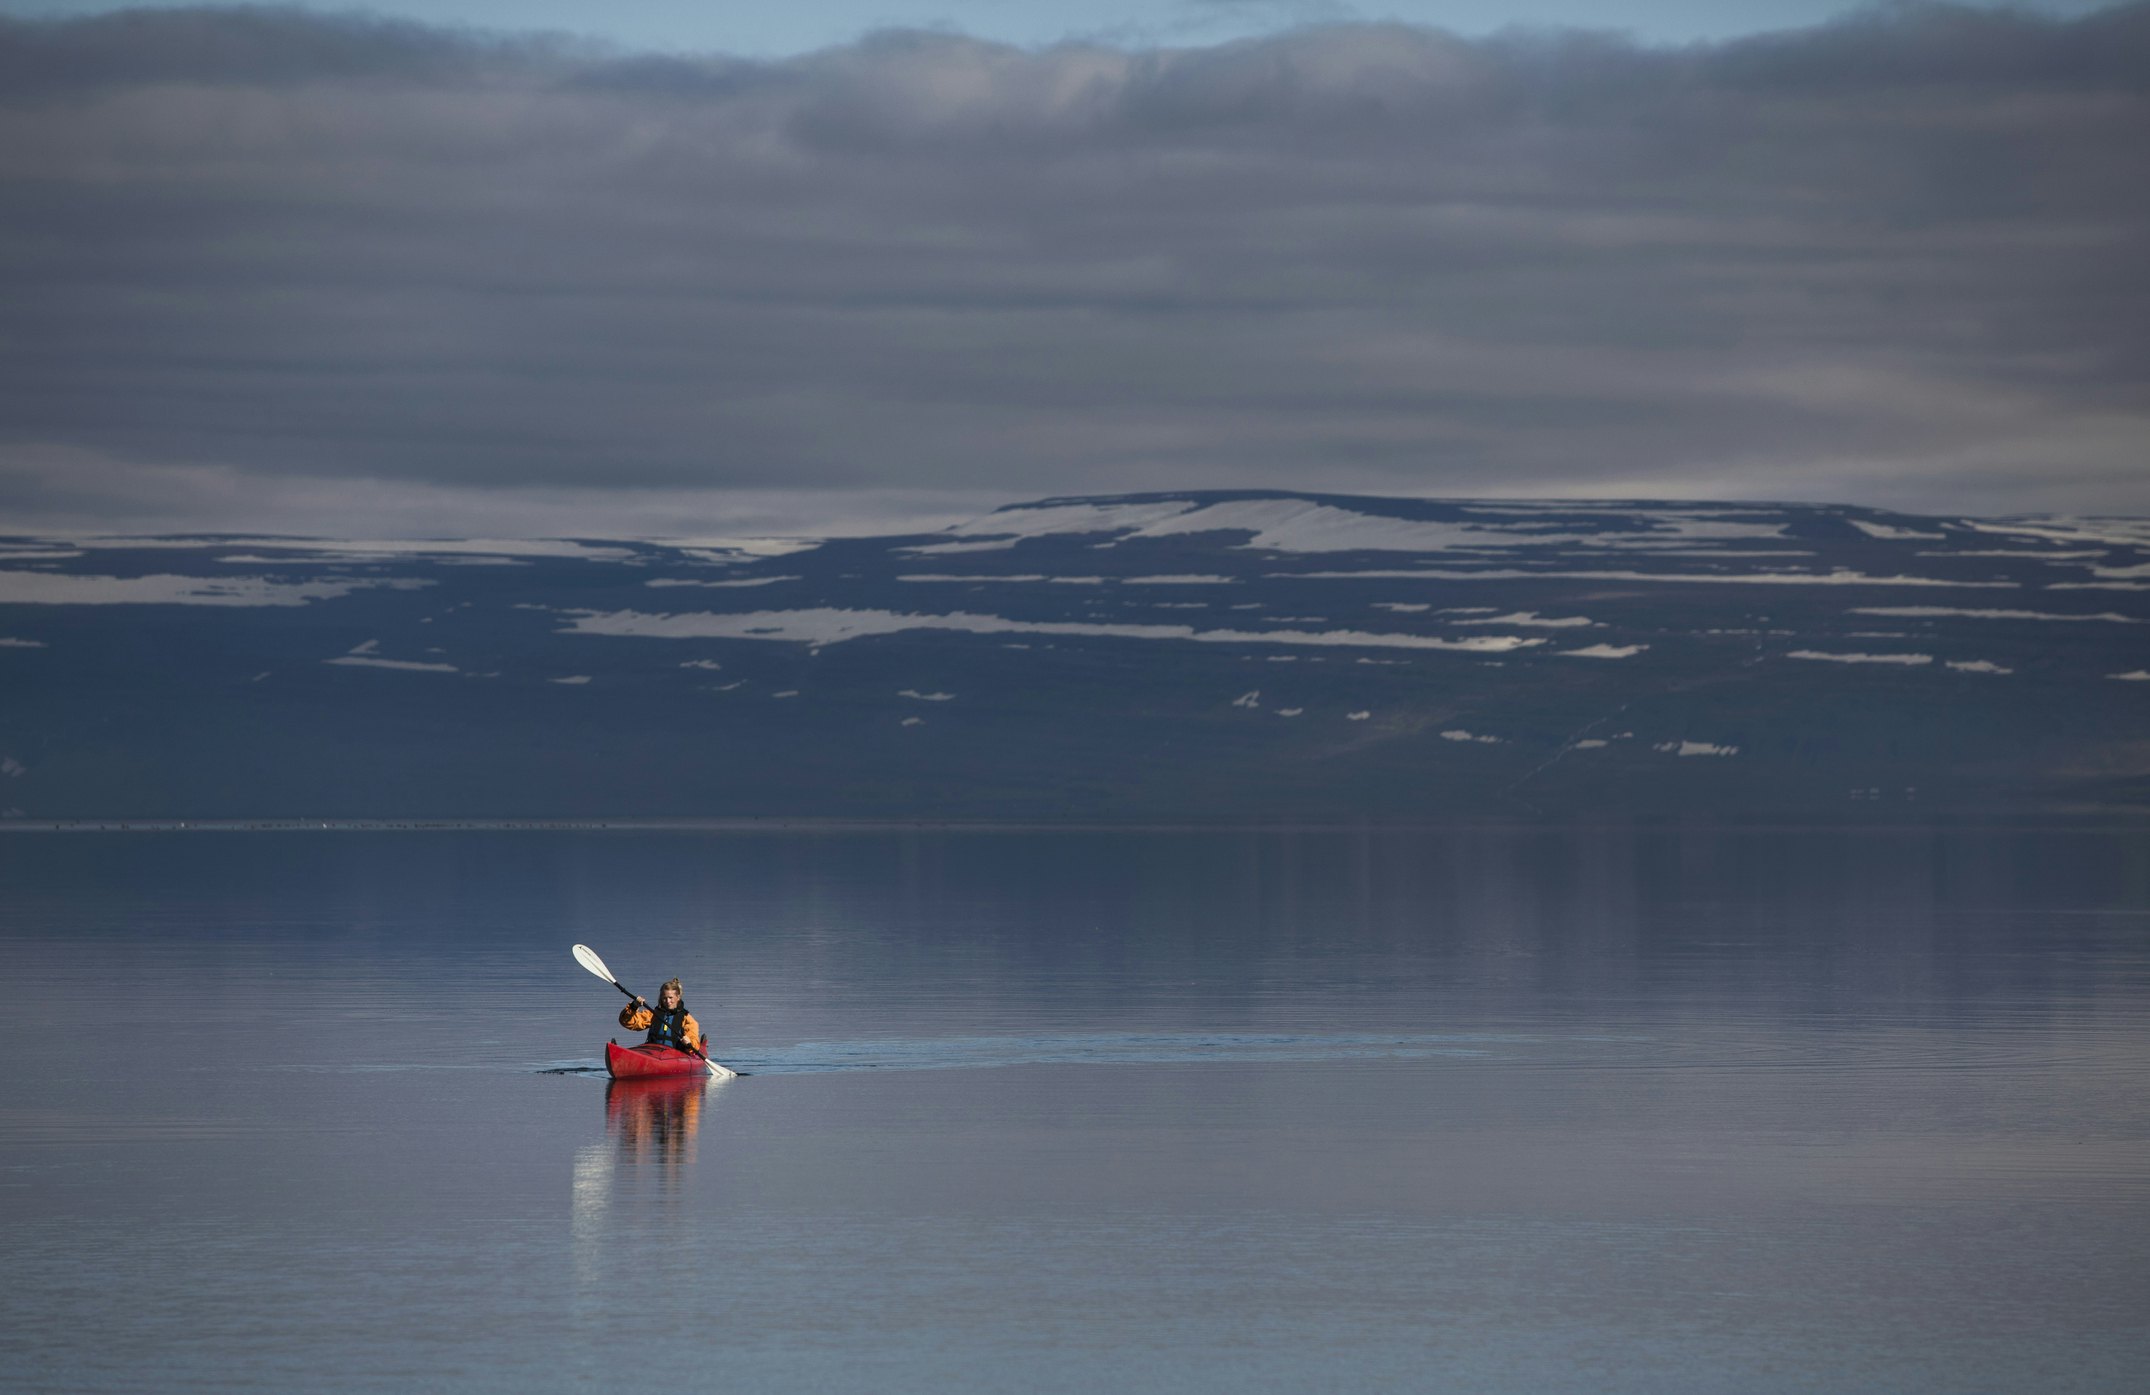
[[1897, 259]]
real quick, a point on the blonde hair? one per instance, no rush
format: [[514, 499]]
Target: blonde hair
[[672, 984]]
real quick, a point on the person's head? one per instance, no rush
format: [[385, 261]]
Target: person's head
[[669, 995]]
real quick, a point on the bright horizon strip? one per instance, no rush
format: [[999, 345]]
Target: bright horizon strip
[[674, 27]]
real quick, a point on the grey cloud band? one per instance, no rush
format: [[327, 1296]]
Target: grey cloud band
[[1897, 258]]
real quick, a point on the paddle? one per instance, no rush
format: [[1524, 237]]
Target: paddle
[[587, 957]]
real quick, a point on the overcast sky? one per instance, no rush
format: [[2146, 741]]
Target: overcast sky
[[268, 269]]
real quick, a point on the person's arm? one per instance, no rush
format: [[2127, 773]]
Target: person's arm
[[636, 1016], [694, 1035]]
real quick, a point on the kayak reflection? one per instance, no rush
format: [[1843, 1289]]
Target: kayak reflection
[[654, 1121], [651, 1126]]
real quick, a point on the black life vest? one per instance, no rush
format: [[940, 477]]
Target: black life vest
[[668, 1028]]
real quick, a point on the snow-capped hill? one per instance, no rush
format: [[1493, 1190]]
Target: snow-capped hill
[[1201, 655], [1309, 523]]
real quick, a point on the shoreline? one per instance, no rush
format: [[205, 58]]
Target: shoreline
[[1960, 822]]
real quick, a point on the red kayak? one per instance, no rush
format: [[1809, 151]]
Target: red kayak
[[647, 1062]]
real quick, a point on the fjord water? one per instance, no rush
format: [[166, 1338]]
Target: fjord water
[[1475, 1110]]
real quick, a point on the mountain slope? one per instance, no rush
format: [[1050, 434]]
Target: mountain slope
[[1220, 655]]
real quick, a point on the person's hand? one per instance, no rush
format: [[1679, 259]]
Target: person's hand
[[640, 1002]]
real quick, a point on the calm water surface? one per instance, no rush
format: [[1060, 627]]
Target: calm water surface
[[1472, 1111]]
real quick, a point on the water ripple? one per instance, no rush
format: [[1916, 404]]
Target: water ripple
[[1121, 1049]]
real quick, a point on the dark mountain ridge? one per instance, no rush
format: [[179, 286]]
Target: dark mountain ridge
[[1233, 656]]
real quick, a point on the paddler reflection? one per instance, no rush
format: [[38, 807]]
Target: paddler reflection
[[654, 1121]]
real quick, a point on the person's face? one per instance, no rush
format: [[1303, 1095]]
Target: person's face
[[668, 999]]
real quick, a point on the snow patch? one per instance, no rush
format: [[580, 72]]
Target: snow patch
[[53, 588], [1026, 577], [1249, 700], [942, 549], [711, 664], [11, 642], [834, 626], [1602, 651], [2141, 675], [1614, 509], [912, 722], [1904, 659], [1695, 748], [918, 696], [1663, 527], [1296, 525], [1299, 525], [1978, 666], [317, 549], [357, 660], [1458, 734], [2111, 532], [332, 559], [1923, 612], [1532, 618], [2015, 552], [1043, 520], [1357, 716], [716, 585], [1889, 531], [1405, 607], [1838, 577], [733, 551], [573, 680]]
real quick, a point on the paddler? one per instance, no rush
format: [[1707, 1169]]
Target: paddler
[[669, 1023]]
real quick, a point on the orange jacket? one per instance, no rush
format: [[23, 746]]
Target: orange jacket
[[637, 1019]]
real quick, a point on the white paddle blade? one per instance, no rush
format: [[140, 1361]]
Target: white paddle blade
[[587, 957]]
